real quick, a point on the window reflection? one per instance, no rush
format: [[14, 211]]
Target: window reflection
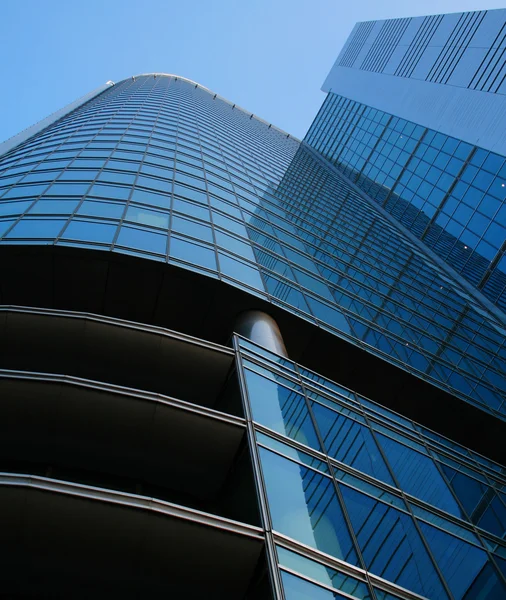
[[465, 567], [326, 575], [142, 239], [281, 409], [300, 589], [304, 506], [350, 442], [90, 231], [391, 545], [418, 475]]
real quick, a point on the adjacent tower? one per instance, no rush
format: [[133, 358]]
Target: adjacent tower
[[415, 115]]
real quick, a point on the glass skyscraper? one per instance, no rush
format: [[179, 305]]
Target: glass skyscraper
[[230, 369], [415, 116]]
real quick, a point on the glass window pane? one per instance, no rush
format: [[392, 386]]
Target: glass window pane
[[326, 575], [462, 565], [37, 228], [114, 192], [193, 253], [418, 475], [14, 208], [300, 589], [4, 225], [350, 442], [48, 207], [234, 245], [141, 239], [101, 209], [144, 216], [201, 231], [67, 189], [391, 545], [90, 231], [280, 409], [304, 506], [191, 209], [241, 271], [148, 197]]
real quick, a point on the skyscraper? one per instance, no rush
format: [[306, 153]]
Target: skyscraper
[[415, 116], [228, 373]]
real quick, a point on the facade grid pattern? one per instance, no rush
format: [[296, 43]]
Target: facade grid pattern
[[450, 194], [348, 479], [161, 169]]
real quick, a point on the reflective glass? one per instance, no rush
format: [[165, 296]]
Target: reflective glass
[[300, 589], [280, 408], [101, 209], [37, 228], [144, 216], [90, 230], [148, 197], [14, 208], [418, 475], [241, 271], [391, 545], [195, 229], [47, 207], [464, 566], [350, 442], [192, 252], [360, 277], [142, 239], [303, 505], [326, 575]]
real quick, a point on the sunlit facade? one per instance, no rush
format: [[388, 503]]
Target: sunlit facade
[[136, 231], [415, 116]]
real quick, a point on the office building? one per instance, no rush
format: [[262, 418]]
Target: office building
[[415, 116], [226, 372]]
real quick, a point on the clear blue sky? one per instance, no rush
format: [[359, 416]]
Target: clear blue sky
[[268, 56]]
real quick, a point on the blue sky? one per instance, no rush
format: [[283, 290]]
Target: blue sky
[[268, 56]]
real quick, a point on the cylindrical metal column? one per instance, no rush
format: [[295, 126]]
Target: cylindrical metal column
[[262, 329]]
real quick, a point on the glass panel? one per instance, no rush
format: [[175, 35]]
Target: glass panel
[[418, 475], [148, 197], [280, 408], [4, 225], [101, 209], [300, 589], [234, 245], [144, 216], [48, 207], [391, 545], [241, 271], [14, 208], [142, 240], [193, 253], [468, 490], [201, 231], [90, 231], [191, 209], [350, 442], [326, 575], [463, 566], [291, 452], [494, 517], [304, 506], [37, 228]]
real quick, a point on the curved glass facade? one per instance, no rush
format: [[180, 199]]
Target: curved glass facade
[[161, 168], [310, 489]]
